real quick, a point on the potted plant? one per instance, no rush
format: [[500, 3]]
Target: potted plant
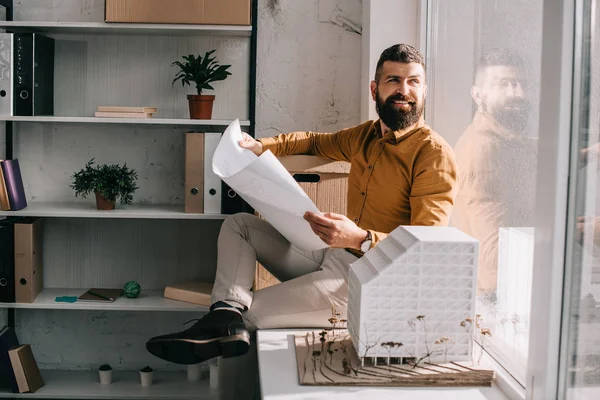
[[201, 71], [146, 374], [108, 182], [105, 372]]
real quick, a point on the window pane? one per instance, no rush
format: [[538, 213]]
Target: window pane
[[581, 368], [484, 80]]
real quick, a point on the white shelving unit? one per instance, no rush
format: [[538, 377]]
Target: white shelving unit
[[120, 29], [88, 210], [125, 385], [149, 300], [118, 63], [137, 121]]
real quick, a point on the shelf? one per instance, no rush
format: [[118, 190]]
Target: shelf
[[125, 385], [138, 121], [88, 210], [149, 300], [121, 28]]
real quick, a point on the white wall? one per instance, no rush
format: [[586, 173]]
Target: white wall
[[308, 71], [385, 23]]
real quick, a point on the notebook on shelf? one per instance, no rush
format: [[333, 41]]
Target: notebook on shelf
[[195, 292], [102, 295]]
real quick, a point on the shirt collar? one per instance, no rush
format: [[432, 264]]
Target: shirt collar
[[396, 136]]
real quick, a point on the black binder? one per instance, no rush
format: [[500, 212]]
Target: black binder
[[7, 260], [33, 74], [8, 339]]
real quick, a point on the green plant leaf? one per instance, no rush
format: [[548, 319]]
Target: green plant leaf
[[111, 181], [200, 70]]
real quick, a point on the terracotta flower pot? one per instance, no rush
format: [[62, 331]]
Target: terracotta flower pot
[[201, 106], [102, 203]]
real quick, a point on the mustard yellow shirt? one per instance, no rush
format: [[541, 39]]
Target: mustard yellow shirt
[[402, 178]]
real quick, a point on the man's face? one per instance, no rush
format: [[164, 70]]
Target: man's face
[[400, 94], [502, 91]]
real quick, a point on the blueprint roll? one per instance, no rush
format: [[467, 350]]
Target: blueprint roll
[[264, 183]]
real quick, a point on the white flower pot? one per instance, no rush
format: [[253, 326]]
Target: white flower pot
[[194, 372], [105, 376], [214, 376], [146, 378]]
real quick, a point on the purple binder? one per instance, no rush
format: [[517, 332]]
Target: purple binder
[[14, 184]]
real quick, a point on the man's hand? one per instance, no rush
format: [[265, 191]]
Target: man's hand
[[336, 230], [248, 142]]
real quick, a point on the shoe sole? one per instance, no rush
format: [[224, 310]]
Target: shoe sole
[[193, 351]]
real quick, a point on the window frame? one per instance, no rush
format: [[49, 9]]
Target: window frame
[[551, 265]]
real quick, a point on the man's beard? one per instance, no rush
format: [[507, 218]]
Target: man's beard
[[513, 114], [394, 118]]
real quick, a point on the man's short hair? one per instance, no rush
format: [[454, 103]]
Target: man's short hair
[[497, 57], [403, 53]]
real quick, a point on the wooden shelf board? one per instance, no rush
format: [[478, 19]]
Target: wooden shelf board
[[149, 300], [124, 28], [137, 121], [88, 210], [125, 385]]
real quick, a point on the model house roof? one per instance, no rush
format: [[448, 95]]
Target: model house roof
[[406, 246]]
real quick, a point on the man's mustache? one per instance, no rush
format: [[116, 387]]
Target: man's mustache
[[400, 97]]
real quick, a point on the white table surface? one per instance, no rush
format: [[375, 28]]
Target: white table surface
[[278, 373]]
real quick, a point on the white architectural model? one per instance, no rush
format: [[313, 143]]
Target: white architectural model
[[415, 288]]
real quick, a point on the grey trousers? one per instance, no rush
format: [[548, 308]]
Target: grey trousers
[[311, 283]]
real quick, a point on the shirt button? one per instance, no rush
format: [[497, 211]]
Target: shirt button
[[370, 167], [355, 219], [362, 193], [382, 144]]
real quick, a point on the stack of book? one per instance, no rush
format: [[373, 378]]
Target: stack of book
[[19, 371], [12, 193], [25, 369], [125, 112]]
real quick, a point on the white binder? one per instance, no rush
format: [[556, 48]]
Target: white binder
[[6, 73], [212, 183]]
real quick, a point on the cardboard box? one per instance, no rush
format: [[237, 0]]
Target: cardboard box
[[325, 182], [209, 12]]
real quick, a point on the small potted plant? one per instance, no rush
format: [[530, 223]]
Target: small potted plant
[[105, 372], [107, 182], [200, 71], [146, 374]]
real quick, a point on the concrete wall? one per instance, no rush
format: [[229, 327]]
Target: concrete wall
[[308, 71]]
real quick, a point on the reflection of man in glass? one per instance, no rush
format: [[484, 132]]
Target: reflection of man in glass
[[497, 160]]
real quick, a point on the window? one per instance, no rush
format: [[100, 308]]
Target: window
[[484, 60], [580, 368]]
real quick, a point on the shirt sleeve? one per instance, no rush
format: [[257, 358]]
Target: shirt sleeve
[[434, 186], [377, 237], [333, 146]]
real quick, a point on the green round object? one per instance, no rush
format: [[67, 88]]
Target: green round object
[[132, 289]]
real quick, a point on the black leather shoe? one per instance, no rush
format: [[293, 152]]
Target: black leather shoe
[[219, 333]]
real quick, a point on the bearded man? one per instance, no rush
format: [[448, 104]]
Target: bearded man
[[402, 173], [497, 160]]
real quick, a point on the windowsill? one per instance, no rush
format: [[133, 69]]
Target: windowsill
[[278, 374], [511, 388]]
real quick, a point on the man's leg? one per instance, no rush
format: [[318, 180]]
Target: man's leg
[[244, 238], [306, 301], [303, 302]]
